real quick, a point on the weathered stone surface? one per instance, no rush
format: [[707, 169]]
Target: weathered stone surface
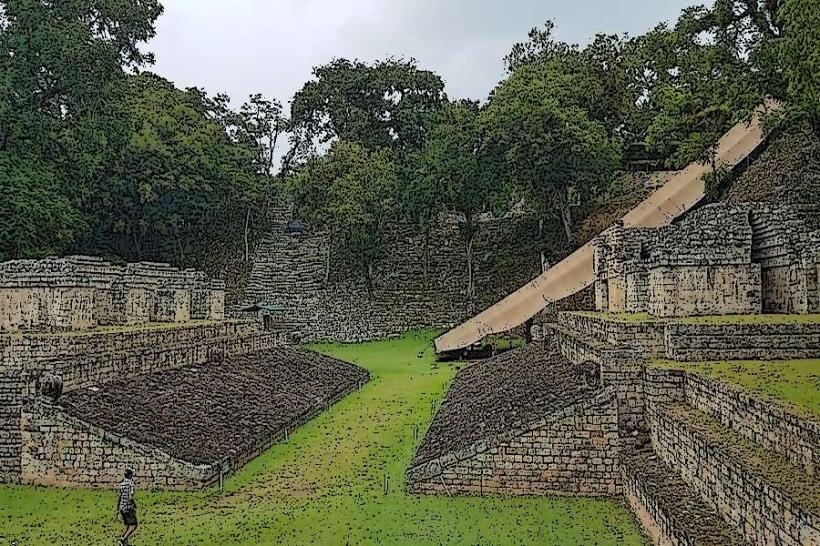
[[419, 281], [179, 428], [82, 292], [721, 259], [670, 511], [489, 397]]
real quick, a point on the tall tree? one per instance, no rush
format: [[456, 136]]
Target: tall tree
[[799, 54], [383, 105], [457, 173], [553, 150], [60, 63], [351, 193]]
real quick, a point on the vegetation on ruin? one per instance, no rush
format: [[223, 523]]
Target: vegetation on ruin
[[794, 383], [325, 486]]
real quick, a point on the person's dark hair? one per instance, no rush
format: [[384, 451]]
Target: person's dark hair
[[129, 474]]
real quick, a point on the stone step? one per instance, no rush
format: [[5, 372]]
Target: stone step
[[670, 511], [767, 498]]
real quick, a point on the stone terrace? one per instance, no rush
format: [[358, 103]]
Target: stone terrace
[[218, 415]]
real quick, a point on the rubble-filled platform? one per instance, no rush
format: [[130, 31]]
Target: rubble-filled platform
[[181, 428]]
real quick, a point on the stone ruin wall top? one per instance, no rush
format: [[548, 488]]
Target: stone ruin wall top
[[82, 292]]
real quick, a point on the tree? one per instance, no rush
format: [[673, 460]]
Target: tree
[[456, 173], [383, 105], [799, 54], [351, 193], [60, 64], [177, 173], [552, 148]]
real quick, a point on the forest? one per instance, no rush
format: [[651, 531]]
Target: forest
[[99, 155]]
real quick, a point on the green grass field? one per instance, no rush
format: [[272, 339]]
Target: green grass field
[[326, 485], [793, 383]]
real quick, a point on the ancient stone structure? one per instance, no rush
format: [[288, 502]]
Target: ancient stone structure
[[183, 428], [419, 281], [84, 342], [721, 259], [699, 462], [81, 292], [589, 410]]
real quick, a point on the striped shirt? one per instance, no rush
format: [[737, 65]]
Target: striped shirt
[[126, 489]]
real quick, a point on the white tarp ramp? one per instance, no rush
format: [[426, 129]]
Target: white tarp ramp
[[683, 190]]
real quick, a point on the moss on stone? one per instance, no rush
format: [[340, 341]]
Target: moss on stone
[[793, 383]]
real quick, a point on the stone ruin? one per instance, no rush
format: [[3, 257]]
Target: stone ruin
[[82, 293], [720, 260], [106, 367], [595, 407]]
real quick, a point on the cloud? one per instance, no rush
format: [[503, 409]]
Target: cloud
[[270, 46]]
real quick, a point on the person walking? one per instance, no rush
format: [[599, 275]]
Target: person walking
[[127, 507]]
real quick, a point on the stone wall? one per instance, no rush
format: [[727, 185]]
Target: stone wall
[[758, 495], [61, 450], [417, 282], [11, 403], [571, 452], [763, 423], [685, 291], [584, 337], [711, 342], [82, 360], [81, 292], [720, 259]]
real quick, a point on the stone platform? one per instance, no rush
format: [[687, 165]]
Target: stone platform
[[525, 422], [181, 428], [750, 337]]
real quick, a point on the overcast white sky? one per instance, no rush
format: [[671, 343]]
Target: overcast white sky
[[270, 46]]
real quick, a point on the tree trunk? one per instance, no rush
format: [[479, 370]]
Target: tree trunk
[[327, 258], [426, 230], [469, 232], [541, 245], [566, 222], [247, 231]]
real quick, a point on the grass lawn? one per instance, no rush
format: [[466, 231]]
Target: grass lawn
[[795, 383], [326, 485]]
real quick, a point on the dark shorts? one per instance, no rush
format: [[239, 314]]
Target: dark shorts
[[129, 517]]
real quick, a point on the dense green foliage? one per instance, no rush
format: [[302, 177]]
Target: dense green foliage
[[351, 193], [97, 156], [325, 485]]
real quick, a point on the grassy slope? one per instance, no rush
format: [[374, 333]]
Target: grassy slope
[[795, 383], [325, 487]]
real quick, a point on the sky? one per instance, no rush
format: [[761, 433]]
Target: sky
[[270, 46]]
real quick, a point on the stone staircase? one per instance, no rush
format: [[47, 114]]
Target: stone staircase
[[760, 494], [668, 508]]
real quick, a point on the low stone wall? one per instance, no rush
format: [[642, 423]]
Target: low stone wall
[[765, 499], [765, 424], [84, 360], [709, 342], [88, 359], [646, 336], [573, 451], [61, 450], [583, 337]]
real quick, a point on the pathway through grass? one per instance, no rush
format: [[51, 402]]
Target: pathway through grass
[[325, 486]]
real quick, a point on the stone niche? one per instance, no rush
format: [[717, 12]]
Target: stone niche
[[720, 260], [81, 293]]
